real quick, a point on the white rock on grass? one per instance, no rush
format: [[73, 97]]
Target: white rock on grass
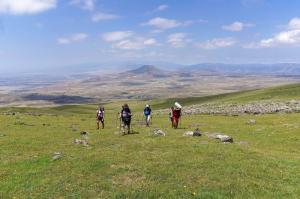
[[188, 133], [56, 155], [159, 132], [225, 138], [196, 132], [83, 142], [219, 136], [251, 122]]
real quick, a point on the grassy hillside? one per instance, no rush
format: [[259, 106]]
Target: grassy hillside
[[286, 92], [263, 161]]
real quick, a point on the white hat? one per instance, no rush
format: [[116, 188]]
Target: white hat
[[147, 105], [178, 105]]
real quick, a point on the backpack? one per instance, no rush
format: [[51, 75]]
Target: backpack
[[126, 113], [147, 111], [100, 113]]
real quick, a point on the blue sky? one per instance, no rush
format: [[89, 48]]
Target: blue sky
[[51, 34]]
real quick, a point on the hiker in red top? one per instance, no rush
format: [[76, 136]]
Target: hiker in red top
[[176, 114]]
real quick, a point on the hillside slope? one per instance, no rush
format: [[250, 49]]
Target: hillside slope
[[280, 93]]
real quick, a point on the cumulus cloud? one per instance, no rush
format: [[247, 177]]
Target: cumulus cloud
[[217, 43], [101, 16], [84, 4], [116, 35], [163, 23], [294, 23], [19, 7], [161, 8], [135, 43], [237, 26], [290, 36], [76, 37], [127, 40], [177, 40]]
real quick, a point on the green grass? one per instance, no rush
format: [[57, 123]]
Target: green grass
[[266, 165]]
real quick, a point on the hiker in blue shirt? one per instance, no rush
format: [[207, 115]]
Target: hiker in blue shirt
[[147, 114]]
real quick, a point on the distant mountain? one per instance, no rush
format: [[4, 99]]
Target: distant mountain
[[148, 70], [245, 69]]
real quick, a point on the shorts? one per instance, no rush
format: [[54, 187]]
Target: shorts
[[126, 121], [100, 119]]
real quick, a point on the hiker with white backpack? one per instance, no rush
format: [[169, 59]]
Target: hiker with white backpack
[[100, 116]]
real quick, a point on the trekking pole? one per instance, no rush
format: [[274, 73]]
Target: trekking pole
[[117, 120]]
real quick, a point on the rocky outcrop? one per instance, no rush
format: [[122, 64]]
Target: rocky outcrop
[[239, 109]]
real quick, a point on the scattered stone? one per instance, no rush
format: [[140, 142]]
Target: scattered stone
[[57, 155], [83, 142], [251, 122], [84, 133], [255, 108], [159, 132], [188, 133], [225, 138], [219, 136], [196, 132]]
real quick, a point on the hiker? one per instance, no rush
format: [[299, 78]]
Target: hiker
[[147, 114], [125, 118], [100, 116], [176, 114], [171, 115]]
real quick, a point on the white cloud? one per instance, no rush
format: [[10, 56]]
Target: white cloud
[[76, 37], [291, 36], [127, 40], [237, 26], [101, 16], [161, 8], [19, 7], [163, 23], [294, 23], [116, 36], [84, 4], [218, 43], [135, 44], [177, 40]]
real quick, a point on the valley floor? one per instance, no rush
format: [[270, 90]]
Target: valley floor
[[263, 161]]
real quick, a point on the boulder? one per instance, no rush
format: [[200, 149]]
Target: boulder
[[224, 138], [56, 155], [83, 142], [219, 136], [197, 132], [159, 132], [188, 133], [84, 133], [251, 122]]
